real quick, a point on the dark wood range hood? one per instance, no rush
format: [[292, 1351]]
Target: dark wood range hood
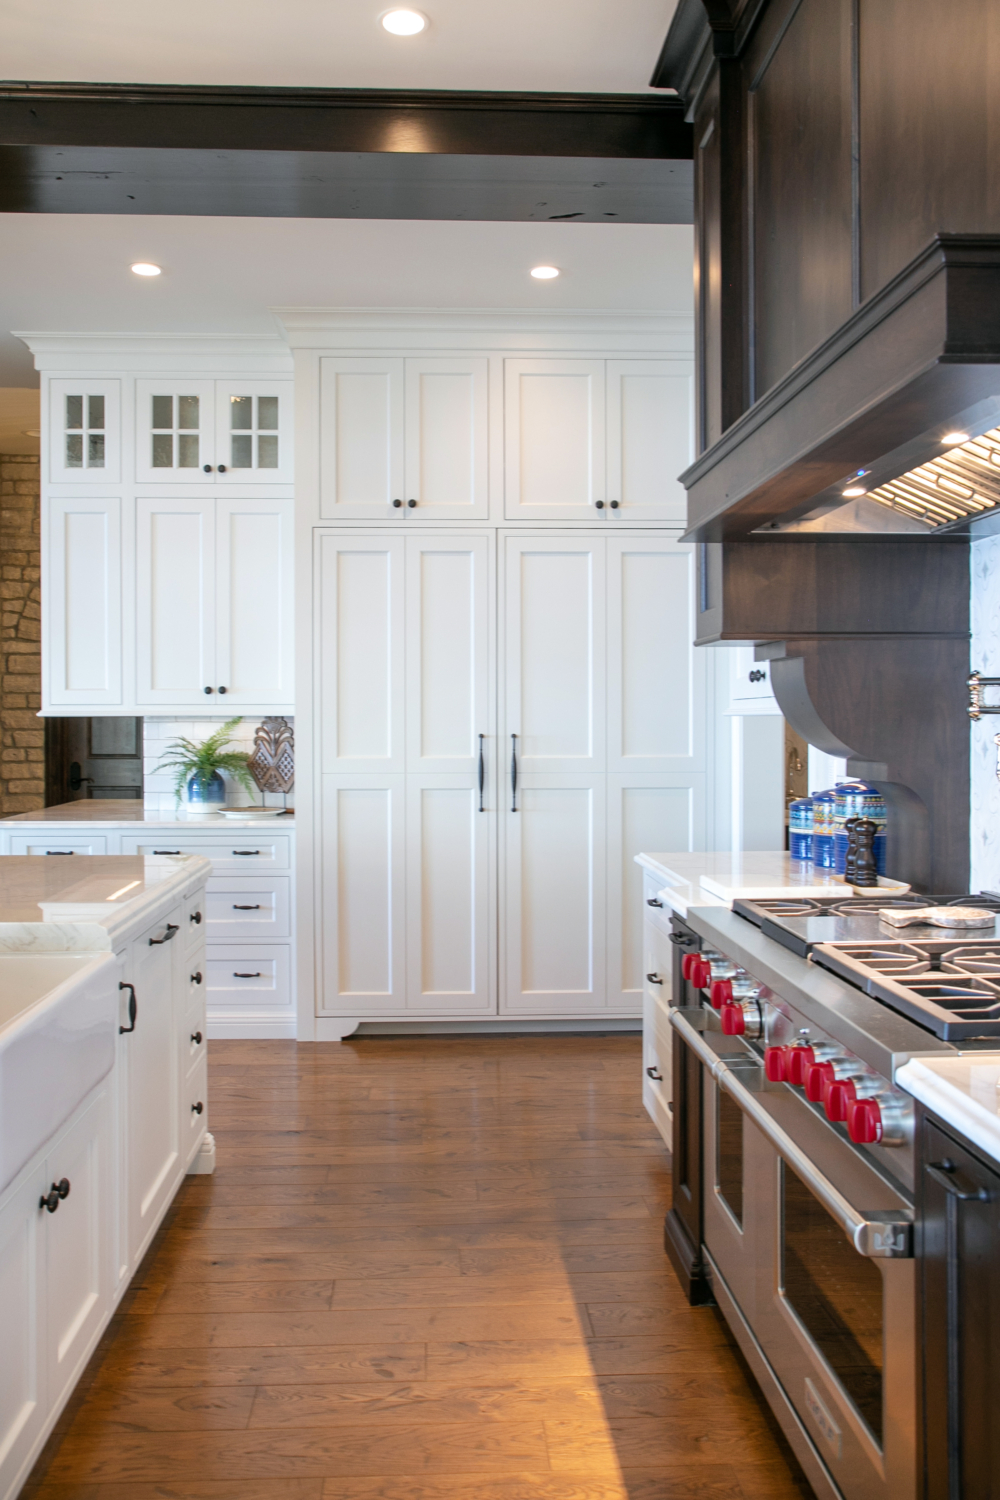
[[847, 293]]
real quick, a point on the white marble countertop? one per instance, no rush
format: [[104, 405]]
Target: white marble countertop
[[110, 813], [716, 878], [962, 1091], [46, 907]]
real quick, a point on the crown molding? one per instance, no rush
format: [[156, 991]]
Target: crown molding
[[484, 328], [163, 353]]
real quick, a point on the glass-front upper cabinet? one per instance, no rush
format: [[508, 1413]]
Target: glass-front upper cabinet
[[84, 431], [212, 431]]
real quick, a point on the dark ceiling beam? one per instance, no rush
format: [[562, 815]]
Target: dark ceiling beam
[[345, 153]]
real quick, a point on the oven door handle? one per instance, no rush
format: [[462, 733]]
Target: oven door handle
[[881, 1234]]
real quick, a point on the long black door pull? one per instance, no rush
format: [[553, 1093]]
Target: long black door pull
[[513, 773], [168, 934], [482, 773], [133, 1008]]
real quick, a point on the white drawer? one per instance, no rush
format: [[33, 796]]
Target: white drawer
[[231, 854], [255, 977], [192, 1049], [195, 979], [657, 1065], [194, 1121], [251, 911], [655, 909], [657, 963], [56, 845]]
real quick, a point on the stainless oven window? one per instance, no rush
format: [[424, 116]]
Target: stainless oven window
[[729, 1153], [836, 1294]]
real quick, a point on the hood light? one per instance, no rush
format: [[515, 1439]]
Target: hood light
[[404, 22], [145, 268], [952, 439], [853, 491]]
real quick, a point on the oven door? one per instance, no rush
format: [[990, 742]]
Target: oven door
[[820, 1267]]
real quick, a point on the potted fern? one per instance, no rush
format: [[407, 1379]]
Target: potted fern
[[196, 768]]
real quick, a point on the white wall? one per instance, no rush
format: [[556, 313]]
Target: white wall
[[985, 658], [158, 787]]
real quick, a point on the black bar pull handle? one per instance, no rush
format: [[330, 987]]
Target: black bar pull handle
[[167, 936], [133, 1009], [166, 851], [654, 978], [652, 901], [947, 1175], [482, 773], [246, 853], [513, 773], [246, 908], [240, 974]]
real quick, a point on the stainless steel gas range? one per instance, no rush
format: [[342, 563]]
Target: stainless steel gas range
[[794, 1153]]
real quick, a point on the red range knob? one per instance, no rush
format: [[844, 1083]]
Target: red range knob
[[864, 1122], [700, 972], [774, 1063], [686, 962], [721, 993], [797, 1061], [818, 1075], [838, 1098], [733, 1019]]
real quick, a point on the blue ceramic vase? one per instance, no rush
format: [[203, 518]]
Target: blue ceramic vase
[[211, 793]]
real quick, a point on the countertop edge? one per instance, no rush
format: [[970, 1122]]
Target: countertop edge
[[952, 1105]]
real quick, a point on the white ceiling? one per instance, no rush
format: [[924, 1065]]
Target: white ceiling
[[470, 44], [70, 273]]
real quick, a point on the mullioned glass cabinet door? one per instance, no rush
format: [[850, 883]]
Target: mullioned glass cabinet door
[[174, 431], [84, 431], [253, 431]]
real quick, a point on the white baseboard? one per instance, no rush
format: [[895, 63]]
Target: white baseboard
[[228, 1027], [507, 1027]]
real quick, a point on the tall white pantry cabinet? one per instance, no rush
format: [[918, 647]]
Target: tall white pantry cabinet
[[498, 702]]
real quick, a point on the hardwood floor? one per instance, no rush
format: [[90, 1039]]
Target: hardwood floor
[[424, 1269]]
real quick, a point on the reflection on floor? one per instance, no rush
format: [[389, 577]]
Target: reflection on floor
[[424, 1269]]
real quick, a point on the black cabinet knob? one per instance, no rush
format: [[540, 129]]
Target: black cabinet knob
[[207, 468], [196, 977], [210, 690], [51, 1200], [196, 1038], [396, 504], [196, 918], [222, 468], [599, 504], [411, 504], [614, 505], [196, 1109], [222, 690]]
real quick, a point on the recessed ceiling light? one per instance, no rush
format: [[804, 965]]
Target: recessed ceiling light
[[544, 273], [853, 491], [404, 22], [145, 268], [952, 439]]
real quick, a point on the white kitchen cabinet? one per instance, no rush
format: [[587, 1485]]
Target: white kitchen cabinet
[[84, 431], [214, 603], [404, 438], [82, 603], [590, 440], [750, 689], [650, 439], [23, 1367], [554, 439], [196, 431]]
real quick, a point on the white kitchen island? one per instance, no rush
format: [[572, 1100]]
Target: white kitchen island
[[103, 1106]]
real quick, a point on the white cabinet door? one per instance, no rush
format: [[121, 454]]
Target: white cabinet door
[[175, 602], [554, 439], [78, 1242], [650, 427], [254, 585], [449, 896], [750, 689], [361, 896], [254, 437], [554, 897], [554, 653], [84, 431], [82, 647], [447, 470], [153, 1089], [449, 638], [23, 1373], [361, 438], [174, 430], [360, 614]]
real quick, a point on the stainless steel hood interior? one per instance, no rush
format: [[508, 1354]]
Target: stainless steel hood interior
[[859, 439]]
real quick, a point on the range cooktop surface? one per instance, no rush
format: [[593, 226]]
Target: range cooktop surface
[[946, 980]]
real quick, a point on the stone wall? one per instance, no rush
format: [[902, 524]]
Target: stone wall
[[22, 736]]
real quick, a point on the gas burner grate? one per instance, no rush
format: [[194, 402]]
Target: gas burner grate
[[885, 958], [803, 907], [953, 989], [857, 904]]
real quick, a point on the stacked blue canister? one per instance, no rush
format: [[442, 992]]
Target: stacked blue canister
[[856, 799], [824, 809], [800, 829]]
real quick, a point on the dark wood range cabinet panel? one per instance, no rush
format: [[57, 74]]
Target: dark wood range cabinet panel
[[958, 1208], [684, 1224], [799, 136]]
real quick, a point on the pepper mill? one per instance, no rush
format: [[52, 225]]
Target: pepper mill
[[865, 867], [851, 829]]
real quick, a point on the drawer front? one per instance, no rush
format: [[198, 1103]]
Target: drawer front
[[657, 963], [236, 854], [657, 1053], [194, 923], [194, 1122], [251, 978], [56, 845], [193, 1050], [195, 980], [253, 911], [660, 913]]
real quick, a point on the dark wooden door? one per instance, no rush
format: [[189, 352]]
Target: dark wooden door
[[960, 1285], [99, 758]]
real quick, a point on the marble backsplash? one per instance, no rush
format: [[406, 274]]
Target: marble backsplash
[[985, 658], [158, 787]]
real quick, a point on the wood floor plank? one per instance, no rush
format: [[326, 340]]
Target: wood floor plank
[[425, 1269]]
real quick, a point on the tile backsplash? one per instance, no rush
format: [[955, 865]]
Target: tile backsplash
[[158, 788], [985, 658]]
